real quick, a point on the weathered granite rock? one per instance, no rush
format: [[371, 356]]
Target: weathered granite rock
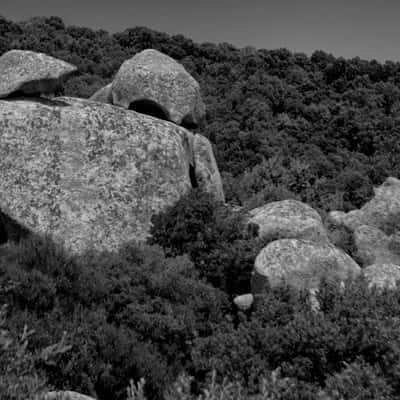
[[301, 264], [153, 83], [206, 169], [66, 395], [89, 174], [244, 301], [29, 73], [103, 95], [375, 247], [350, 220], [382, 275], [382, 211], [288, 219]]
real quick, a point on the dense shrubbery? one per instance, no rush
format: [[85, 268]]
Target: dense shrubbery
[[216, 239], [127, 315]]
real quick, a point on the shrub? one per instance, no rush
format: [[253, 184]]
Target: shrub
[[214, 237]]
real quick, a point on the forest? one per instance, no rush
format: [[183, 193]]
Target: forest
[[156, 320]]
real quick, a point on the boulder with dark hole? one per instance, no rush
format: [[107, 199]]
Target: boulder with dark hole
[[151, 79], [24, 72]]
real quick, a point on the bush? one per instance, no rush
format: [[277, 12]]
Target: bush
[[214, 237], [127, 315]]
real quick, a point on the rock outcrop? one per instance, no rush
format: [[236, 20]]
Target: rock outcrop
[[376, 225], [153, 83], [103, 95], [288, 219], [374, 246], [89, 174], [206, 169], [382, 211], [302, 264], [382, 275], [27, 72]]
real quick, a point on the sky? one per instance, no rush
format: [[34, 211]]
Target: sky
[[369, 29]]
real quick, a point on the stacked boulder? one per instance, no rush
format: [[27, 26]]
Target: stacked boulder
[[376, 233], [298, 250], [89, 174]]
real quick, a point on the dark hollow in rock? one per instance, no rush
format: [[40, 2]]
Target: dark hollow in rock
[[10, 230], [149, 107], [192, 176]]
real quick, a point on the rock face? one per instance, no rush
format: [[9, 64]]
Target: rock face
[[382, 275], [103, 95], [29, 73], [89, 174], [288, 219], [155, 84], [206, 169], [301, 264]]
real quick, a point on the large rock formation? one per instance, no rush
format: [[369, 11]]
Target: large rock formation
[[301, 264], [27, 72], [155, 84], [89, 174], [382, 275], [206, 169], [288, 219]]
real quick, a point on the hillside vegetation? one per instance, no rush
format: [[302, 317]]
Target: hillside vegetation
[[319, 129]]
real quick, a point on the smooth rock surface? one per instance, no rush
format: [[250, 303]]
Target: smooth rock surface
[[244, 301], [382, 275], [206, 169], [103, 95], [89, 174], [29, 73], [302, 264], [66, 395], [156, 80], [288, 219]]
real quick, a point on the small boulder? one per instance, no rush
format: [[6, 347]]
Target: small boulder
[[103, 95], [302, 264], [206, 169], [244, 302], [30, 73], [155, 84], [382, 275], [288, 219]]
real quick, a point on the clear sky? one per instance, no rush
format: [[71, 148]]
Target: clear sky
[[365, 28]]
